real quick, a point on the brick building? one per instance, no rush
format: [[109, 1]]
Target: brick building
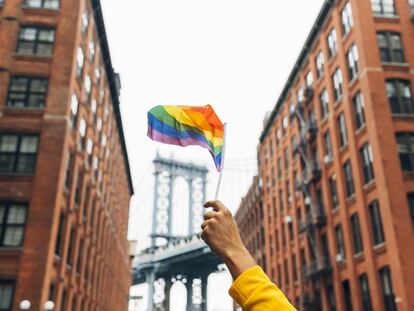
[[337, 162], [65, 182]]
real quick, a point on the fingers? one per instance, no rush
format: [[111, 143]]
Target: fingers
[[205, 224], [216, 205], [209, 215]]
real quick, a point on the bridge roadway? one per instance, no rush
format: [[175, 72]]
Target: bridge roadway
[[188, 257]]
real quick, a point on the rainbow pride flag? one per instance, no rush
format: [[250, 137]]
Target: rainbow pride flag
[[188, 125]]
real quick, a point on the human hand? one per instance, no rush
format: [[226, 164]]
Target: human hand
[[221, 234]]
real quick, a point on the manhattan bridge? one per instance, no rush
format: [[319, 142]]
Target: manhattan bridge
[[173, 258]]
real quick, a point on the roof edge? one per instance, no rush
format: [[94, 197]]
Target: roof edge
[[113, 80], [320, 20]]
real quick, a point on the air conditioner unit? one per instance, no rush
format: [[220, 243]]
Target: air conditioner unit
[[288, 219], [327, 159], [290, 199], [308, 200], [339, 258]]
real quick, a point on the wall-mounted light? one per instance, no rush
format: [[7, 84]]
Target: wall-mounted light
[[25, 305]]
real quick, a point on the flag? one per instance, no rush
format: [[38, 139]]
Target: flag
[[187, 126]]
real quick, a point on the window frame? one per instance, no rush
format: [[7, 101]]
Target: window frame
[[352, 57], [333, 191], [359, 110], [366, 300], [27, 93], [365, 153], [347, 19], [382, 11], [332, 41], [343, 132], [377, 228], [42, 5], [36, 42], [324, 104], [388, 52], [357, 240], [337, 80], [340, 243], [409, 146], [4, 225], [397, 102], [11, 283], [17, 154], [389, 302], [349, 179], [320, 64]]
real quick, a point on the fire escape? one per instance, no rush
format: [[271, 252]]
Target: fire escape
[[315, 217]]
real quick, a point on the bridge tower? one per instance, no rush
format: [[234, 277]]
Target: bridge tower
[[173, 258], [166, 172]]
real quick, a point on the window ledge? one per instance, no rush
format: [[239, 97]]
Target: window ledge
[[344, 148], [396, 66], [359, 256], [338, 101], [17, 175], [386, 17], [351, 199], [33, 57], [43, 11], [361, 130], [12, 250], [335, 211], [23, 110], [354, 79], [370, 185], [403, 115], [379, 248]]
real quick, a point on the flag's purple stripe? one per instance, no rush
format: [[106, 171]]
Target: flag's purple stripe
[[184, 142]]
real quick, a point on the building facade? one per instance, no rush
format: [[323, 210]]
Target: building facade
[[337, 162], [65, 182]]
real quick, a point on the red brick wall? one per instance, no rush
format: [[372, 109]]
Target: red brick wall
[[101, 217]]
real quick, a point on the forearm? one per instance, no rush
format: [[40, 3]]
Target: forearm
[[238, 261]]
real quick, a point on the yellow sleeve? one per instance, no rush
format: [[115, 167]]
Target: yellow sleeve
[[254, 291]]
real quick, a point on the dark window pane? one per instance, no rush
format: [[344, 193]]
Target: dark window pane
[[387, 289], [365, 294], [347, 295], [391, 47], [356, 232], [376, 223]]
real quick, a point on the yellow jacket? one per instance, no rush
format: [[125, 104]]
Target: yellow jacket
[[254, 291]]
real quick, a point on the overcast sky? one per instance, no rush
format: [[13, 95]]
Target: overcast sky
[[233, 54]]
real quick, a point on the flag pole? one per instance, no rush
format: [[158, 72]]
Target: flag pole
[[223, 154]]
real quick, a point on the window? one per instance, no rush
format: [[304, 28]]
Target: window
[[328, 145], [286, 157], [12, 223], [85, 21], [410, 197], [88, 84], [80, 59], [320, 64], [91, 50], [383, 7], [391, 48], [337, 82], [324, 100], [80, 257], [405, 144], [366, 158], [376, 223], [346, 289], [349, 179], [412, 6], [285, 124], [319, 199], [330, 296], [334, 192], [287, 280], [82, 132], [359, 109], [353, 58], [399, 96], [387, 289], [295, 268], [68, 173], [356, 232], [18, 153], [36, 41], [340, 241], [6, 295], [71, 246], [309, 79], [58, 247], [45, 4], [332, 42], [343, 135], [347, 19], [365, 294], [27, 92]]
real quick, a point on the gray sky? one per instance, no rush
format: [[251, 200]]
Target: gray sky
[[233, 54]]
